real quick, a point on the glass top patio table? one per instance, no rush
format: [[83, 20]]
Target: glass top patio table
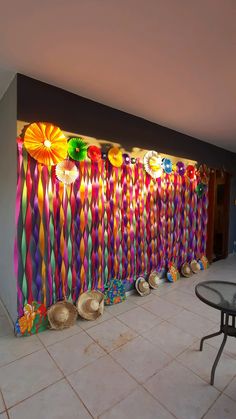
[[218, 294]]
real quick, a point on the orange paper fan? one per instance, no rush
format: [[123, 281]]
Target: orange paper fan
[[45, 143]]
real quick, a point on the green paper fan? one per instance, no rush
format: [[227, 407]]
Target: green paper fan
[[77, 149]]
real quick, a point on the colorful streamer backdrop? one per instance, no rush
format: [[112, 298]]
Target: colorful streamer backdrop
[[111, 223]]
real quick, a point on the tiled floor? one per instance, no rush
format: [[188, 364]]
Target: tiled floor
[[141, 360]]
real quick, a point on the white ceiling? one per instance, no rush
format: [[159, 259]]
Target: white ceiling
[[169, 61]]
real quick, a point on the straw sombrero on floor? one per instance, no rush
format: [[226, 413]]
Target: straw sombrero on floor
[[154, 280], [62, 315], [142, 286], [195, 266], [186, 270], [90, 305]]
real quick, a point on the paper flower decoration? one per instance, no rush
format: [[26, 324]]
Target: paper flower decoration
[[167, 165], [94, 153], [204, 173], [45, 143], [190, 172], [126, 158], [33, 321], [115, 157], [180, 168], [77, 149], [153, 164], [66, 172], [173, 273], [200, 189]]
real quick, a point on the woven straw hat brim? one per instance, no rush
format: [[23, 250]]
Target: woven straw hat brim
[[194, 266], [81, 305], [61, 305], [151, 280], [183, 271], [137, 283]]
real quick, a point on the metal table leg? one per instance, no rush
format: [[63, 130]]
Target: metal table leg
[[212, 335], [217, 359]]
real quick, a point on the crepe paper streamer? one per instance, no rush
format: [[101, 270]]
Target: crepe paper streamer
[[45, 143], [77, 149], [66, 172], [17, 220], [110, 223], [153, 164]]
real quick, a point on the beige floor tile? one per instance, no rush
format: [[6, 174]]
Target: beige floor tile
[[12, 348], [102, 384], [138, 300], [181, 299], [192, 323], [181, 391], [223, 408], [141, 358], [2, 406], [55, 402], [49, 337], [26, 376], [169, 338], [117, 309], [111, 334], [86, 324], [5, 327], [75, 352], [139, 319], [201, 363], [138, 405], [231, 389], [162, 308]]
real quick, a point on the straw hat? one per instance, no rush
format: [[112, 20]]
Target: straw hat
[[142, 286], [90, 305], [195, 266], [115, 156], [154, 280], [61, 315], [186, 270]]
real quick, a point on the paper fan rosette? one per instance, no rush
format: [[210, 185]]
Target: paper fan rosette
[[77, 149], [153, 164], [45, 143], [66, 172], [94, 153], [115, 156]]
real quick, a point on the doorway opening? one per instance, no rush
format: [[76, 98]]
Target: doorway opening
[[218, 215]]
